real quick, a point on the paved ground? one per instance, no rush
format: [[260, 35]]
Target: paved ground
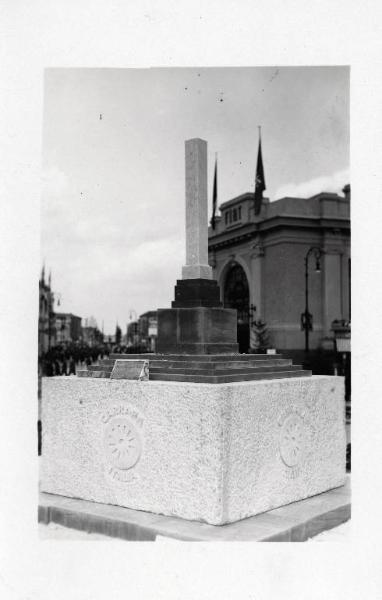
[[342, 533], [57, 532]]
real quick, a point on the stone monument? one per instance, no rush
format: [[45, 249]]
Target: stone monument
[[197, 336], [196, 323], [265, 434]]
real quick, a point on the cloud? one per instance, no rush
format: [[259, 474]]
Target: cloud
[[150, 256], [326, 183], [54, 182], [149, 261]]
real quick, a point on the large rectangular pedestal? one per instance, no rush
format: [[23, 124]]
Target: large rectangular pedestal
[[197, 330], [213, 453]]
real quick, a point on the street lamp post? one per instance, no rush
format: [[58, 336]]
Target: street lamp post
[[131, 316], [306, 317]]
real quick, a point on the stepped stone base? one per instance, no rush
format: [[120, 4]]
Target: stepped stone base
[[217, 368], [216, 454]]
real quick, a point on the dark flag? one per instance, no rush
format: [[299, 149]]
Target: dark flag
[[214, 195], [260, 181]]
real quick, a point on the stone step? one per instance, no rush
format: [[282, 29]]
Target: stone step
[[201, 377], [83, 373], [105, 374], [146, 355], [218, 372], [110, 362], [107, 362], [197, 357], [220, 365], [93, 373], [228, 378]]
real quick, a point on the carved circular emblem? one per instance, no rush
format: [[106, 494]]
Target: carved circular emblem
[[292, 440], [122, 443]]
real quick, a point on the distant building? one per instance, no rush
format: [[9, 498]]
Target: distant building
[[46, 328], [68, 328], [132, 334], [259, 263], [92, 336], [148, 330]]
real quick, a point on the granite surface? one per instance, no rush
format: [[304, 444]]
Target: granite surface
[[295, 522], [212, 453], [196, 211]]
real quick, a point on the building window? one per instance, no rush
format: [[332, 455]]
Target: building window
[[232, 215]]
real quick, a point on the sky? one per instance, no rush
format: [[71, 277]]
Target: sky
[[113, 212]]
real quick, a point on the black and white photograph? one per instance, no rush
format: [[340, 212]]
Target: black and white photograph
[[190, 300], [196, 248]]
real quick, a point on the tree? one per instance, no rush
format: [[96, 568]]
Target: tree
[[118, 334]]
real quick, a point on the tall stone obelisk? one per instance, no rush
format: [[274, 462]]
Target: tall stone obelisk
[[196, 266], [196, 323]]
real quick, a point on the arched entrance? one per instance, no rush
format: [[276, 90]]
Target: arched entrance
[[236, 295]]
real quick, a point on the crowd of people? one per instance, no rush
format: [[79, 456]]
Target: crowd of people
[[66, 359]]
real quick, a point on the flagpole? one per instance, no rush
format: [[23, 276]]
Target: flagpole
[[260, 180], [214, 196], [259, 128]]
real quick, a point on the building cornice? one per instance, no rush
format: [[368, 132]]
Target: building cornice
[[251, 230]]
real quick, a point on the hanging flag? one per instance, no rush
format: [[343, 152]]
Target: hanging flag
[[214, 196], [260, 181]]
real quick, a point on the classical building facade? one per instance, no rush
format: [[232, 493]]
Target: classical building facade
[[46, 329], [68, 328], [259, 263]]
